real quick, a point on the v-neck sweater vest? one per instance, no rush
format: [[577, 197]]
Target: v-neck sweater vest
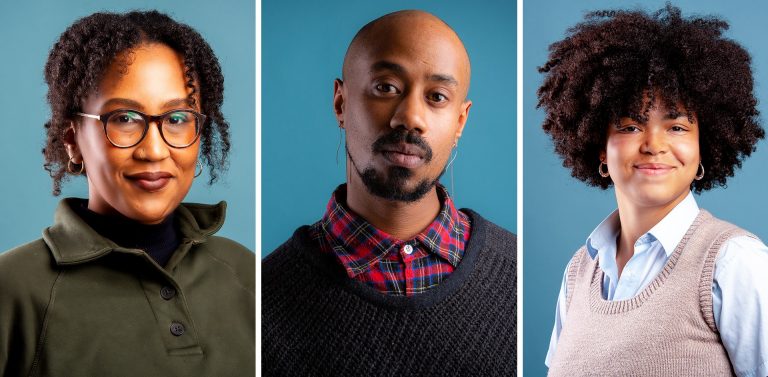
[[316, 321], [668, 329]]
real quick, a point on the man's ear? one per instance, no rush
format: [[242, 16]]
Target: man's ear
[[338, 101], [463, 114], [70, 143]]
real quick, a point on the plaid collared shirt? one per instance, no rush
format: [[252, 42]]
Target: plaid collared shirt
[[390, 265]]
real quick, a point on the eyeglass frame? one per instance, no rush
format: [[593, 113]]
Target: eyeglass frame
[[157, 119]]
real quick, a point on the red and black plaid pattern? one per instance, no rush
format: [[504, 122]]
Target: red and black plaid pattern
[[390, 265]]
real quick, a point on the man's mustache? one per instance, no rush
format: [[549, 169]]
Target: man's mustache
[[401, 135]]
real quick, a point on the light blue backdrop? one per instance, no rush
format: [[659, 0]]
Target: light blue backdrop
[[559, 211], [302, 53], [29, 29]]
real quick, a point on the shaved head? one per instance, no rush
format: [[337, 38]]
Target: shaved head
[[417, 28]]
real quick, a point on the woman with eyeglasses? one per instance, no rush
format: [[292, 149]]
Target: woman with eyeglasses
[[130, 281], [657, 106]]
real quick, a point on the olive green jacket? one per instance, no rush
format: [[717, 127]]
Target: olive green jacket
[[75, 304]]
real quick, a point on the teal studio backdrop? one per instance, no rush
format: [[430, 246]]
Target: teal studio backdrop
[[28, 30], [560, 211], [303, 46]]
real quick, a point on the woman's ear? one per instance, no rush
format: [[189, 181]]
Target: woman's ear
[[70, 143]]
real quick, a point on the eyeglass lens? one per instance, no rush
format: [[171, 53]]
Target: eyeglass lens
[[126, 128]]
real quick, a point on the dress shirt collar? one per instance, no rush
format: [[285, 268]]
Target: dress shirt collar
[[669, 231], [359, 245]]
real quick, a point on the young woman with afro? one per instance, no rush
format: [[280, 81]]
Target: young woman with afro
[[657, 106]]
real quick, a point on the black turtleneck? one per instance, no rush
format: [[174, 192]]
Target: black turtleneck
[[157, 240]]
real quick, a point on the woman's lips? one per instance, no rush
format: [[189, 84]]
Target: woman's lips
[[150, 181], [654, 169]]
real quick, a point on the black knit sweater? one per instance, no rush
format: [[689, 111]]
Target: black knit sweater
[[316, 321]]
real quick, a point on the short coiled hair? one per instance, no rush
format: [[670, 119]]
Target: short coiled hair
[[84, 51], [608, 63]]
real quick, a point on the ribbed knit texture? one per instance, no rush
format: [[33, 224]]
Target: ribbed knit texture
[[318, 322], [668, 329]]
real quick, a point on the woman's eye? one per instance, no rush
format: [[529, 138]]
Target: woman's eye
[[128, 117], [177, 118], [628, 129], [678, 128], [386, 88]]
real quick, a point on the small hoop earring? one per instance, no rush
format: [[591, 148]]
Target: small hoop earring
[[699, 176], [200, 164], [603, 173], [72, 170]]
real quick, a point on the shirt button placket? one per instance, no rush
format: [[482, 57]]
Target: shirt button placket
[[167, 292], [408, 251], [177, 328]]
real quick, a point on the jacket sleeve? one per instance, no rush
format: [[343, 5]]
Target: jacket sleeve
[[26, 282]]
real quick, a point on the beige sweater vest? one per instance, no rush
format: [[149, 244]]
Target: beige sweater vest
[[668, 329]]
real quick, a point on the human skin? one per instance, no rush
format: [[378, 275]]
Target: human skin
[[409, 71], [152, 82], [652, 166]]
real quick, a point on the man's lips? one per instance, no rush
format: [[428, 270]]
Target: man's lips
[[654, 168], [150, 181], [403, 154]]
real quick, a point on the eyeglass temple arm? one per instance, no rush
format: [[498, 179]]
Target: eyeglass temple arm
[[89, 116]]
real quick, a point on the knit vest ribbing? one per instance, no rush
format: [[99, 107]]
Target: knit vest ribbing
[[318, 322], [667, 329]]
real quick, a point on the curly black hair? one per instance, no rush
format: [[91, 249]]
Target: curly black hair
[[83, 52], [608, 63]]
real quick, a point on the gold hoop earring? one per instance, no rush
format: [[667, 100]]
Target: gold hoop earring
[[698, 176], [603, 173], [200, 164], [72, 170]]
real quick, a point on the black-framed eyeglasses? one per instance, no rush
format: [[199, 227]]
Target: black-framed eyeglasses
[[126, 128]]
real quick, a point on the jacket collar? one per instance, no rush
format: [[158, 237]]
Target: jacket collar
[[72, 241]]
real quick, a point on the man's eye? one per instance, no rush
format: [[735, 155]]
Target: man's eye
[[628, 129], [438, 97], [386, 88]]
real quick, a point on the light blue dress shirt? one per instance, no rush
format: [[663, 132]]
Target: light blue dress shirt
[[739, 287]]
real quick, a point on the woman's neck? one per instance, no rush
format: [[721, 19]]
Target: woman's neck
[[635, 220]]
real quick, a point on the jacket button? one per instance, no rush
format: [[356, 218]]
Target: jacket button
[[177, 329], [167, 292]]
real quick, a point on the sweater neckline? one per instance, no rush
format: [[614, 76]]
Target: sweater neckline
[[326, 265], [603, 306]]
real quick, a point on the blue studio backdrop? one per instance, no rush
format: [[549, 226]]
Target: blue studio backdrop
[[29, 30], [559, 212], [303, 46]]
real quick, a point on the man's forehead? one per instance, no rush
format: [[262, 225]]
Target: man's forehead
[[408, 37]]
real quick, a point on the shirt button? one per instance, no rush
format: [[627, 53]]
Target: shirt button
[[177, 329], [167, 292], [408, 249]]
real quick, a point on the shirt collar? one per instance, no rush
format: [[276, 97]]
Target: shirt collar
[[669, 231], [359, 245], [72, 241]]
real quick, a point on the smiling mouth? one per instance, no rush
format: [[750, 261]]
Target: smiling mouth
[[654, 169], [150, 181]]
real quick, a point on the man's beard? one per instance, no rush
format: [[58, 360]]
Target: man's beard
[[391, 186]]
